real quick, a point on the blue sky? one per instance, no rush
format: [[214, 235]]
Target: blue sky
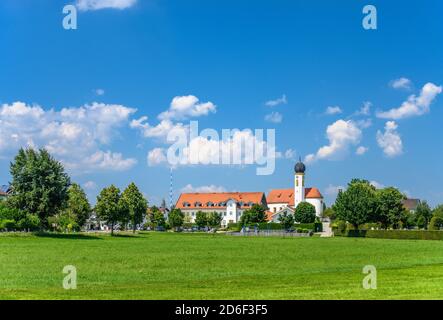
[[79, 91]]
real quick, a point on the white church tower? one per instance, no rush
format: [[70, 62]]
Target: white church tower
[[299, 185]]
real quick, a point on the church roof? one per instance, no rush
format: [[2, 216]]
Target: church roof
[[218, 199], [287, 195]]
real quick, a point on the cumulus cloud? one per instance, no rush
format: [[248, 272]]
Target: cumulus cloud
[[72, 134], [161, 130], [86, 5], [241, 148], [414, 105], [341, 135], [361, 150], [274, 117], [390, 140], [332, 110], [401, 83], [277, 102], [184, 107], [202, 189], [157, 157]]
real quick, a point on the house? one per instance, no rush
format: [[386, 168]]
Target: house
[[410, 204], [281, 200], [5, 191], [230, 205]]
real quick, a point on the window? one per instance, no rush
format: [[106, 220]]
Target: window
[[275, 209]]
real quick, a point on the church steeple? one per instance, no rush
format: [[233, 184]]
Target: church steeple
[[299, 187]]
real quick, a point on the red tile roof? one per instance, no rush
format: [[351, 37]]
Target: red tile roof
[[218, 198], [287, 195]]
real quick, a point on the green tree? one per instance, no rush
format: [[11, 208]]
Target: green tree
[[201, 219], [176, 218], [40, 184], [214, 219], [330, 213], [78, 207], [436, 222], [423, 215], [108, 207], [389, 207], [357, 204], [256, 214], [156, 217], [135, 204], [304, 213], [286, 220]]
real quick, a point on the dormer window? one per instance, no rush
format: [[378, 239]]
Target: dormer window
[[210, 204], [198, 204], [186, 204]]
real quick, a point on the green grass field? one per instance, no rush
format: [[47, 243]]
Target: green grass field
[[200, 266]]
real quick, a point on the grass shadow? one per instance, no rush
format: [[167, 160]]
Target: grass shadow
[[69, 236]]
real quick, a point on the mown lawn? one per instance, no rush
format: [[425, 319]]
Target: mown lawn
[[200, 266]]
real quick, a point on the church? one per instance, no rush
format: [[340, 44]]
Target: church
[[281, 200], [231, 205]]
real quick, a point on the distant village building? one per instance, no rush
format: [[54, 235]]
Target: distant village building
[[5, 191], [411, 204], [231, 205]]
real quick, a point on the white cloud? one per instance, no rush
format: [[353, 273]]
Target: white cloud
[[414, 106], [401, 83], [243, 147], [332, 110], [341, 134], [109, 161], [90, 185], [157, 157], [277, 102], [203, 189], [390, 141], [161, 130], [184, 107], [71, 135], [361, 150], [274, 117], [86, 5]]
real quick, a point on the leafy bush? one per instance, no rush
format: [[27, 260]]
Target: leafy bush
[[29, 223], [8, 225]]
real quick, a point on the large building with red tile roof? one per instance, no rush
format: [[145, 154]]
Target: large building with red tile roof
[[231, 205]]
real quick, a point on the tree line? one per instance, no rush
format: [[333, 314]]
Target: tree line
[[361, 203], [44, 198]]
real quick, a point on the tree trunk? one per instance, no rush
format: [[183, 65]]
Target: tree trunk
[[112, 229]]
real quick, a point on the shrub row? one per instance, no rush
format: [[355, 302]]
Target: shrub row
[[316, 227], [394, 234]]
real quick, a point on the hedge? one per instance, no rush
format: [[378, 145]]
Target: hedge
[[316, 227], [394, 234]]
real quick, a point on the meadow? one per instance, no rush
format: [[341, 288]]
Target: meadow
[[202, 266]]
